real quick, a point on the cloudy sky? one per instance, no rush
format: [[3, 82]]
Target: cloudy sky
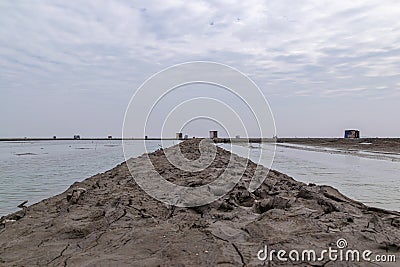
[[71, 67]]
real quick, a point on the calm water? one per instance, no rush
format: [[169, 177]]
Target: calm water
[[373, 181], [37, 170]]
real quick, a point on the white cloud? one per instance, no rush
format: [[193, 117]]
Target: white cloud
[[289, 47]]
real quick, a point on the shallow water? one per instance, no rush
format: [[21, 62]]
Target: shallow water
[[373, 181], [37, 170]]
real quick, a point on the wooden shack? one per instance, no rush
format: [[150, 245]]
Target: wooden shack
[[351, 134], [179, 136], [213, 134]]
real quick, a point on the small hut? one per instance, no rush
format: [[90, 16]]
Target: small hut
[[179, 136], [351, 134], [213, 134]]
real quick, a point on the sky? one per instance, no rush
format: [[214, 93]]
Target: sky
[[71, 67]]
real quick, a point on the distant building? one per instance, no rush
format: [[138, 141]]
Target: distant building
[[186, 136], [213, 134], [109, 137], [351, 134], [76, 137], [179, 136]]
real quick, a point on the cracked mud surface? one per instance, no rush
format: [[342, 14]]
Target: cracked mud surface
[[110, 220]]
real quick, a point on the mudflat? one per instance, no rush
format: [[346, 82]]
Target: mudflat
[[108, 220], [385, 145]]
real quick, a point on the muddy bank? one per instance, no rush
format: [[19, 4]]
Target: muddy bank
[[384, 145], [109, 220]]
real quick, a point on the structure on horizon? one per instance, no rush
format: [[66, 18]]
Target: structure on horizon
[[351, 134], [213, 134], [179, 136]]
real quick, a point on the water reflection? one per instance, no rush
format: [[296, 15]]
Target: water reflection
[[37, 170], [375, 182]]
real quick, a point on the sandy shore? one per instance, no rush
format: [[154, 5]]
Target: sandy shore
[[383, 145], [108, 220]]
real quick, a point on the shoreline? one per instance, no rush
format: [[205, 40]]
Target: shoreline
[[109, 219], [80, 139], [388, 146], [361, 152], [383, 142], [376, 145]]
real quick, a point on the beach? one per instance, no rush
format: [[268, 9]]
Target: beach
[[108, 219]]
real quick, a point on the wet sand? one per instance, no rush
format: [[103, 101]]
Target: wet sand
[[108, 220], [380, 145]]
